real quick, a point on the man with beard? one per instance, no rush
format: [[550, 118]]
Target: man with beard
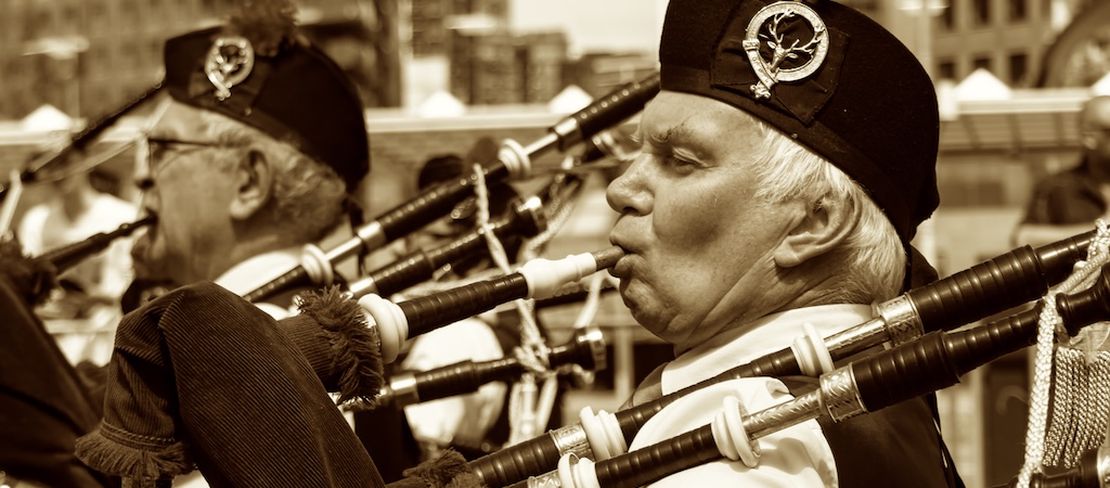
[[786, 164]]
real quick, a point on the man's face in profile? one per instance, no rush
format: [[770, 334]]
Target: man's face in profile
[[698, 240], [187, 187]]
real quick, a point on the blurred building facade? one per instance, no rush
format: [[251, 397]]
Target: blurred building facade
[[432, 21], [87, 56], [1009, 38], [500, 67], [599, 73]]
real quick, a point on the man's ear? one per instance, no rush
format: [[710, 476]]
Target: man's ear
[[821, 229], [254, 178]]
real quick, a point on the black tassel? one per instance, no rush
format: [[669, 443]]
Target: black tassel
[[146, 467], [356, 347], [449, 470]]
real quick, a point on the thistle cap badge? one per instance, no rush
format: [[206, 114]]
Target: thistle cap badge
[[229, 62], [793, 55]]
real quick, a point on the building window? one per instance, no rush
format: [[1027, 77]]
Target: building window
[[983, 62], [982, 11], [1019, 10], [1019, 68], [948, 15], [946, 70]]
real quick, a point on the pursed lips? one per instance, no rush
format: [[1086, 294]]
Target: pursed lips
[[622, 269]]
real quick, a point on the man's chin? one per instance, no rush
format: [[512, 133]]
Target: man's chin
[[146, 268]]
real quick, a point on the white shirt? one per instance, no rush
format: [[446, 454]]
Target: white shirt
[[461, 418], [258, 270], [798, 456]]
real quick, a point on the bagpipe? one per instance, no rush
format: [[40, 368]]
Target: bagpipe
[[67, 256], [586, 349], [991, 287], [537, 278], [513, 162], [932, 362], [1092, 471], [526, 219], [80, 140], [36, 276]]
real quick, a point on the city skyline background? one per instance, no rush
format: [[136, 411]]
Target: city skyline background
[[84, 57]]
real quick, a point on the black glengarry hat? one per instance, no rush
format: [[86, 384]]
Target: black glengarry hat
[[258, 70], [825, 75]]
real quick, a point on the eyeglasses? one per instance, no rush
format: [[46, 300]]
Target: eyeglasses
[[157, 159]]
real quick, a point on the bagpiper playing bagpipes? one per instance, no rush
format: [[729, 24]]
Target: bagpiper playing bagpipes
[[785, 166]]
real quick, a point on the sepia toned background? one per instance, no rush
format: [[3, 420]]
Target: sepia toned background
[[436, 75]]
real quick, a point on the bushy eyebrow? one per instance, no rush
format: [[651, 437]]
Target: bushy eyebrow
[[681, 131]]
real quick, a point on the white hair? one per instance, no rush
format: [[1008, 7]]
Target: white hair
[[308, 196], [873, 254]]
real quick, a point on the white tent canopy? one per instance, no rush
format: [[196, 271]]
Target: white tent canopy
[[571, 99], [982, 85], [46, 118], [441, 104]]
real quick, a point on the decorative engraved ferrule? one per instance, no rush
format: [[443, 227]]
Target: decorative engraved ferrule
[[547, 480], [571, 440], [903, 323], [840, 396]]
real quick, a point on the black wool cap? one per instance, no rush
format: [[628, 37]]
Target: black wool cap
[[823, 74], [259, 71]]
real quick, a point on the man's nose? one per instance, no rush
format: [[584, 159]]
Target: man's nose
[[631, 192]]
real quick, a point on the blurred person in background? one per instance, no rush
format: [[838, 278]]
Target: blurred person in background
[[1068, 203], [90, 291]]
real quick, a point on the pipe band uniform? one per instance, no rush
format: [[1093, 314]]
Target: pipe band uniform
[[991, 287], [777, 192], [788, 156], [868, 385], [257, 152]]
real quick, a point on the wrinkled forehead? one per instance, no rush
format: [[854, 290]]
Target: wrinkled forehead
[[673, 118]]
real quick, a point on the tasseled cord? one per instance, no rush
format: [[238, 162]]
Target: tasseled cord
[[449, 470], [139, 468], [355, 347]]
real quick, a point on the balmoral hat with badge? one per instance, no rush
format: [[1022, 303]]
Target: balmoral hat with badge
[[825, 75], [260, 71]]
